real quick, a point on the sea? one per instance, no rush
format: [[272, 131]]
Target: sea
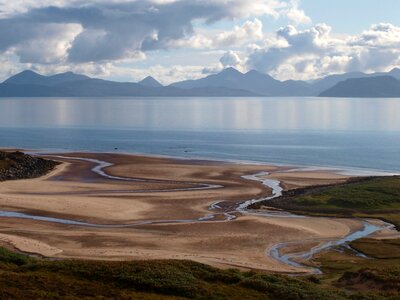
[[348, 133]]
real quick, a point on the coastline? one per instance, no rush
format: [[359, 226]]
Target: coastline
[[344, 170], [229, 244]]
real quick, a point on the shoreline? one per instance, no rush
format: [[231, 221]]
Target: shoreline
[[181, 169], [344, 170]]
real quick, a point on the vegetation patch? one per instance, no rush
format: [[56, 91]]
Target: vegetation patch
[[382, 249], [23, 277], [365, 197], [377, 279], [378, 275]]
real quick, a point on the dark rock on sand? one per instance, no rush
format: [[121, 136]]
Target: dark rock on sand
[[17, 165]]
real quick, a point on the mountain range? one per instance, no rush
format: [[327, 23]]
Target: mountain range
[[367, 87], [228, 83]]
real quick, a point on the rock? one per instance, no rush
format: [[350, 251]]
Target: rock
[[17, 165]]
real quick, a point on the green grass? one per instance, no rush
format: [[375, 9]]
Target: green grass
[[373, 197], [378, 275], [382, 249], [374, 194], [379, 197], [22, 277]]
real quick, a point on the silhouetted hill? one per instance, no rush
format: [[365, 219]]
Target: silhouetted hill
[[253, 81], [32, 90], [395, 73], [31, 84], [327, 82], [150, 82], [368, 87], [227, 83], [30, 77]]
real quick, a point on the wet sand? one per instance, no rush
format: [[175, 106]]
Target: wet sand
[[292, 179], [73, 191]]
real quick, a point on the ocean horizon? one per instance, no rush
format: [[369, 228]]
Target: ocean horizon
[[343, 133]]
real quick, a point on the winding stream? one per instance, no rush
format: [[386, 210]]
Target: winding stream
[[100, 167], [290, 259]]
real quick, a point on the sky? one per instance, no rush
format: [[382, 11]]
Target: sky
[[173, 40]]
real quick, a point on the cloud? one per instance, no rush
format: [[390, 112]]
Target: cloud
[[315, 52], [10, 8], [288, 44], [381, 35], [295, 14], [116, 30], [231, 59], [251, 31], [50, 47], [104, 37]]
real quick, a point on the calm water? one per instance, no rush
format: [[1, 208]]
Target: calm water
[[361, 133]]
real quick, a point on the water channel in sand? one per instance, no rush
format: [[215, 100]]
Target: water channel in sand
[[219, 215]]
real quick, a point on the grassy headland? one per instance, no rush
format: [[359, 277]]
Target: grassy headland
[[23, 277], [377, 275], [376, 197]]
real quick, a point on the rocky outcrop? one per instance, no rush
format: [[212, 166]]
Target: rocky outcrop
[[17, 165]]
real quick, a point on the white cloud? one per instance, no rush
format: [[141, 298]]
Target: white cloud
[[295, 14], [381, 35], [8, 67], [9, 8], [315, 52], [50, 47], [231, 59], [250, 31], [104, 37]]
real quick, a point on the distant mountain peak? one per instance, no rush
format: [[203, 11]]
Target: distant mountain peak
[[31, 77], [253, 72], [228, 82], [26, 72], [67, 76], [231, 70], [252, 81], [68, 73], [367, 87], [395, 72], [150, 81], [25, 76]]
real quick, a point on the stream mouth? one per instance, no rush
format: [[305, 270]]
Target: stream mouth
[[292, 259], [221, 215]]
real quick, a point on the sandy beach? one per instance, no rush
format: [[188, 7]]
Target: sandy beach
[[172, 194]]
